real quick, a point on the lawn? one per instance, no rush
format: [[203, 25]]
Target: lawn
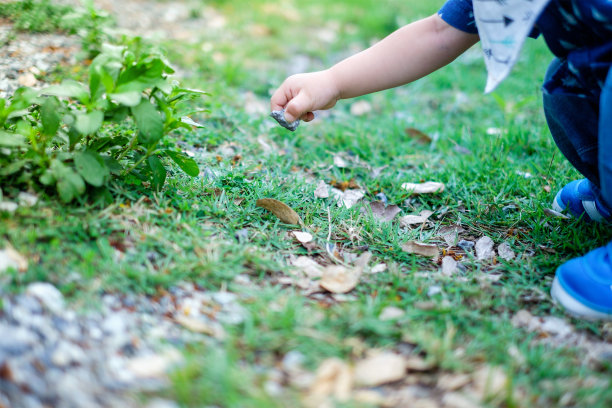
[[484, 332]]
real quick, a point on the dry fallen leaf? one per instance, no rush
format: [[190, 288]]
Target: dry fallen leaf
[[9, 258], [380, 369], [490, 382], [153, 366], [555, 214], [484, 248], [450, 234], [391, 313], [412, 219], [194, 324], [417, 363], [308, 266], [340, 162], [348, 198], [453, 382], [322, 190], [429, 187], [420, 248], [280, 209], [27, 79], [505, 252], [333, 378], [382, 212], [418, 136], [302, 237], [457, 400], [449, 266], [343, 279]]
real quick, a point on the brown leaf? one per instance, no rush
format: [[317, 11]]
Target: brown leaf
[[382, 212], [380, 369], [308, 266], [280, 209], [343, 279], [344, 185], [490, 381], [417, 363], [429, 187], [333, 378], [412, 219], [419, 248], [453, 382], [418, 136], [27, 79], [9, 258], [194, 324]]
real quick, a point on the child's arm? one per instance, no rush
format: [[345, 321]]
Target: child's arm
[[406, 55]]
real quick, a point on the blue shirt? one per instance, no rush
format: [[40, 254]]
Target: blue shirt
[[577, 31]]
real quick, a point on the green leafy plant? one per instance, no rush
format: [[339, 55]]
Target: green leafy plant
[[75, 137]]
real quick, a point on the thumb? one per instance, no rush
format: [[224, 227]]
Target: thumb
[[297, 107]]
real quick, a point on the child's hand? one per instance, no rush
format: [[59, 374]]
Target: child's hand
[[302, 94]]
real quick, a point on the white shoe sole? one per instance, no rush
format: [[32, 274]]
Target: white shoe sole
[[573, 307], [556, 204]]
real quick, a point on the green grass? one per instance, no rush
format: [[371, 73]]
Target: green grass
[[188, 231]]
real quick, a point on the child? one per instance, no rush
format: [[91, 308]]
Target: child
[[577, 101]]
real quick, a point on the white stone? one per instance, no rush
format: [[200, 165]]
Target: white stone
[[47, 295]]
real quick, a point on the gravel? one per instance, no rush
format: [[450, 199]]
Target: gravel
[[50, 355]]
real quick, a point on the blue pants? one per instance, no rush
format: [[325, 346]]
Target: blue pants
[[581, 126]]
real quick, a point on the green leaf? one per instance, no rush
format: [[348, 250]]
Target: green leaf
[[91, 167], [95, 82], [159, 172], [49, 116], [11, 139], [149, 122], [18, 113], [69, 183], [113, 165], [89, 123], [68, 89], [187, 164], [70, 186], [127, 98], [12, 168]]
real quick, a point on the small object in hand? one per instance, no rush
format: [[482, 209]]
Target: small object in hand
[[279, 115]]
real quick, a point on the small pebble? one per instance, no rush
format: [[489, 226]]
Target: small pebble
[[279, 116], [467, 246]]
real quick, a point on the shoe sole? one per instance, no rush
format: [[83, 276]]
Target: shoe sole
[[573, 307], [557, 204], [591, 213]]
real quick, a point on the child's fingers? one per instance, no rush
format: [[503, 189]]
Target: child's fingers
[[279, 100], [298, 107], [308, 116]]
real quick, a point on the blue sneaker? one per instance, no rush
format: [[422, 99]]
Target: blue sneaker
[[579, 199], [583, 286]]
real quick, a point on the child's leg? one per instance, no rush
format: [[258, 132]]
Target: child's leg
[[574, 124], [584, 285], [605, 140]]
